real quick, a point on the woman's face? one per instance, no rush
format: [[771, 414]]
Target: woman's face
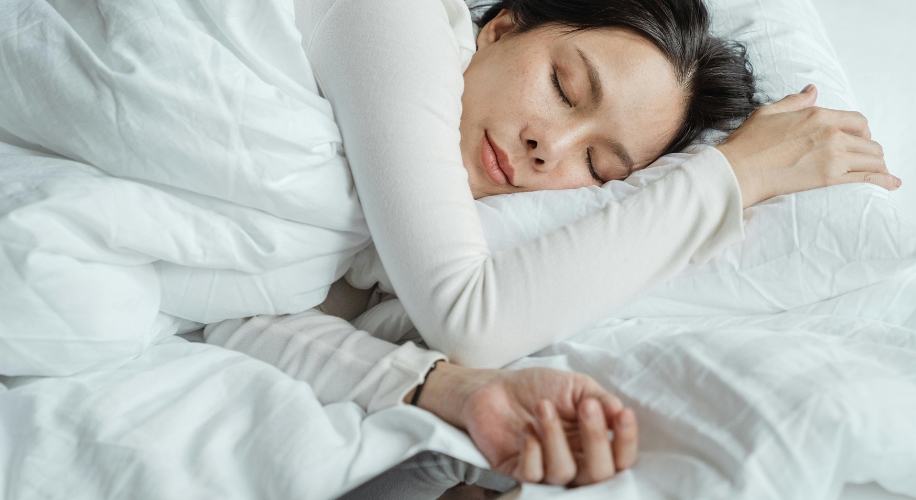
[[548, 110]]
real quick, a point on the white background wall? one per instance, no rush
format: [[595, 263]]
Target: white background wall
[[875, 41]]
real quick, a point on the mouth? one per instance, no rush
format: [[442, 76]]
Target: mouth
[[496, 162]]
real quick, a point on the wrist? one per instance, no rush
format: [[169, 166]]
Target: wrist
[[749, 181], [448, 389]]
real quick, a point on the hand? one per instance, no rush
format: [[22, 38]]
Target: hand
[[792, 146], [536, 425]]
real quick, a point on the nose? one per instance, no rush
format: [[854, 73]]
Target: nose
[[548, 143]]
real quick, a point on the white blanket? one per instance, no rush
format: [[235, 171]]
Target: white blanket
[[232, 196], [188, 420], [788, 405], [784, 406]]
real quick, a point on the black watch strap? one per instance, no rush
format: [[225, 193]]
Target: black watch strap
[[416, 394]]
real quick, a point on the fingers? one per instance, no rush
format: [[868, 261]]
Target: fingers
[[626, 439], [794, 102], [597, 462], [625, 445], [862, 162], [530, 468], [887, 181], [863, 145], [851, 122], [559, 465], [610, 403]]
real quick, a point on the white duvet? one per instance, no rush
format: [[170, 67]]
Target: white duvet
[[784, 368], [248, 208]]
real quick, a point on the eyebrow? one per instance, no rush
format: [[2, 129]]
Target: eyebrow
[[597, 93], [621, 153], [594, 79]]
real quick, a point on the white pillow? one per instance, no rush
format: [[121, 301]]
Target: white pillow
[[799, 249], [788, 47]]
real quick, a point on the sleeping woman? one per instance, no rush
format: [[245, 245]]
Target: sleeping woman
[[549, 95]]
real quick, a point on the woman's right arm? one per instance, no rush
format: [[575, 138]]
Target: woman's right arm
[[391, 70]]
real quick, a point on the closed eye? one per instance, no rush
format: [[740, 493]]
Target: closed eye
[[591, 167], [556, 84], [588, 153]]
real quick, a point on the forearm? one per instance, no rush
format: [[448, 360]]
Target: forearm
[[526, 298], [340, 362]]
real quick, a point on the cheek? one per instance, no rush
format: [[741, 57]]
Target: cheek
[[570, 175], [535, 91], [511, 82], [521, 84]]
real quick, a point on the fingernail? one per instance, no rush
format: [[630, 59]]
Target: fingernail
[[899, 182], [807, 88], [545, 410]]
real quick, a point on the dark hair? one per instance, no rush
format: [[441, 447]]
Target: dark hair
[[714, 73]]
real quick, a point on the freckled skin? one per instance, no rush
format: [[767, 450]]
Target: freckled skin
[[509, 93]]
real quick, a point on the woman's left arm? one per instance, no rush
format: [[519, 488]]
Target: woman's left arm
[[340, 362], [503, 411]]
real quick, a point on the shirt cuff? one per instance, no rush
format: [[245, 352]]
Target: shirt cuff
[[408, 369]]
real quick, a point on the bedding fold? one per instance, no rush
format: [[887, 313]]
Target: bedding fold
[[170, 157], [788, 406]]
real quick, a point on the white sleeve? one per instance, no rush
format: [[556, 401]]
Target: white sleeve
[[391, 70], [340, 362]]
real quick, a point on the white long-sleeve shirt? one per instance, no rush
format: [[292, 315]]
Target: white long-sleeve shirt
[[392, 71], [340, 362]]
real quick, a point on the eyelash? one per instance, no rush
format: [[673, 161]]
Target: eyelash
[[588, 153], [591, 167], [556, 84]]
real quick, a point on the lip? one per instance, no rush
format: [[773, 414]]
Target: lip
[[496, 162]]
